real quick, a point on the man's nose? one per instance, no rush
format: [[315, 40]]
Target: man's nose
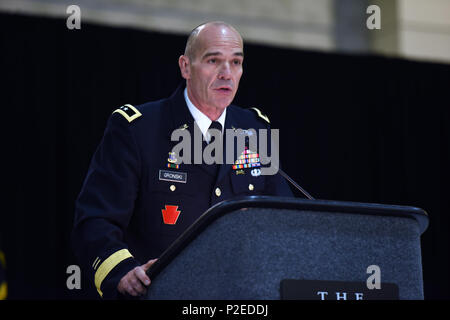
[[225, 71]]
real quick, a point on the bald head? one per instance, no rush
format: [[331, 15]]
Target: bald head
[[212, 66], [199, 35]]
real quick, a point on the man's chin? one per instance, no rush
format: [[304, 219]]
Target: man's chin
[[223, 102]]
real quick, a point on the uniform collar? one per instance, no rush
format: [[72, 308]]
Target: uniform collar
[[179, 112], [182, 117], [201, 119]]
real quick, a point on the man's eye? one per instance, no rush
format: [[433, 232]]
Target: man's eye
[[212, 61], [237, 62]]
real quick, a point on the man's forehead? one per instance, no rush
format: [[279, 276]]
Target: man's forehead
[[217, 30], [221, 37], [220, 48]]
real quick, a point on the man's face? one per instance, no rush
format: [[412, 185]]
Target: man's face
[[215, 71]]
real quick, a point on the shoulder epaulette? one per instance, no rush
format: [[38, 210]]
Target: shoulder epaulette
[[259, 113], [129, 112]]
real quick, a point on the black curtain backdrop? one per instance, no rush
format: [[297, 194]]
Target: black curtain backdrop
[[353, 128]]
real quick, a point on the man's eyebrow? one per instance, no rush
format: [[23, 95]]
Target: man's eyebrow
[[217, 53], [208, 54]]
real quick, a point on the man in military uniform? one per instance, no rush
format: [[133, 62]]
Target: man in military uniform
[[137, 198]]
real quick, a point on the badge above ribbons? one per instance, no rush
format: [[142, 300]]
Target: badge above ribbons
[[172, 160]]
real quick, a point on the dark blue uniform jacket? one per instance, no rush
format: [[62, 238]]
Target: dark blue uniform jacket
[[119, 212]]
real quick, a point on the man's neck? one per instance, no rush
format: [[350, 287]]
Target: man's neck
[[211, 112], [202, 120]]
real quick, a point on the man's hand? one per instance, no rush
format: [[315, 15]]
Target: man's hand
[[136, 281]]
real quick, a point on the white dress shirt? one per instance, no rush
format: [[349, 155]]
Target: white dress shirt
[[201, 119]]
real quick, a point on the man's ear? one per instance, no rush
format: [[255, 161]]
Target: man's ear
[[184, 64]]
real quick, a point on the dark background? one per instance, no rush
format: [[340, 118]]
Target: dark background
[[353, 128]]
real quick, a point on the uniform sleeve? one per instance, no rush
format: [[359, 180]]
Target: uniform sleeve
[[3, 282], [104, 208]]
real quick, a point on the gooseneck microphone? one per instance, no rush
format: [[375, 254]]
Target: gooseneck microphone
[[295, 184]]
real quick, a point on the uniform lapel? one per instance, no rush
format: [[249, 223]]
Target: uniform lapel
[[179, 112], [182, 118]]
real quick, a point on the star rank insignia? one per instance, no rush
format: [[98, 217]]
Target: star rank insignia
[[128, 112]]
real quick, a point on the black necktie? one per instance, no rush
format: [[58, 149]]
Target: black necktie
[[215, 125], [214, 167]]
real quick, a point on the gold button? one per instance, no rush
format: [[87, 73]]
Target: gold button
[[218, 192], [172, 187], [251, 187]]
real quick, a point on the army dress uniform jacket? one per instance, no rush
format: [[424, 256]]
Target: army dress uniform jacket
[[120, 220]]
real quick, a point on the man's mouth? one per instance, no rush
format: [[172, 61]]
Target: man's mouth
[[224, 89]]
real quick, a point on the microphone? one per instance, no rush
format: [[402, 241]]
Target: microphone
[[295, 184]]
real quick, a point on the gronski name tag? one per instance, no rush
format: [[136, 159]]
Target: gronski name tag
[[173, 176]]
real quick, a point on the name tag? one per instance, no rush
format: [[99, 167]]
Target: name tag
[[173, 176]]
